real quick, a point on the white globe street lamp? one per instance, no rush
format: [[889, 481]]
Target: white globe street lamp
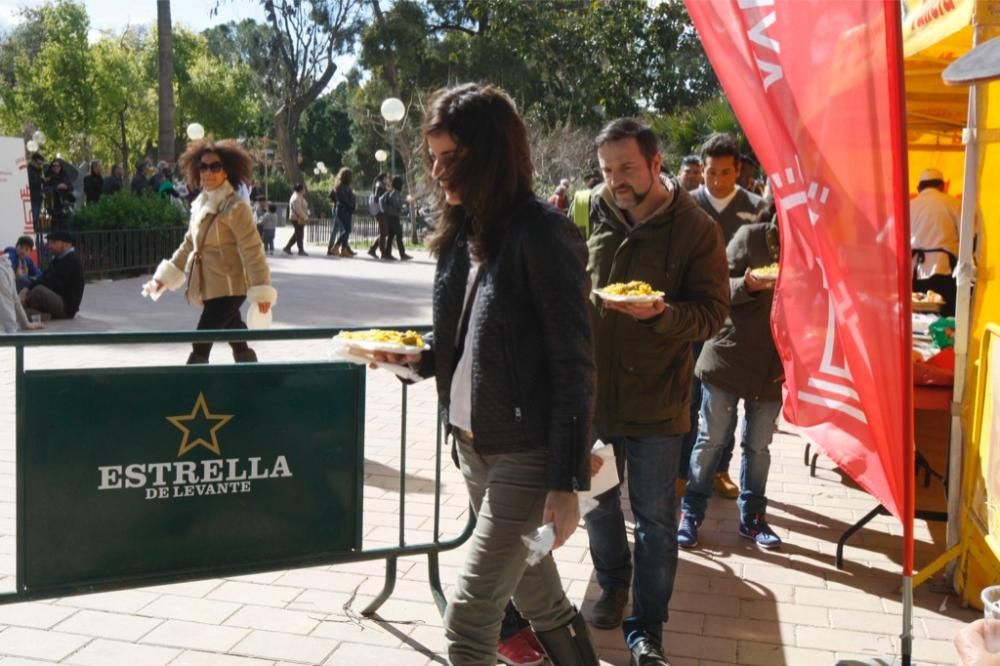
[[32, 146], [195, 131], [393, 111], [381, 156], [38, 137]]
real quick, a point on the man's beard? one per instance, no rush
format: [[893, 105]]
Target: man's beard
[[637, 198]]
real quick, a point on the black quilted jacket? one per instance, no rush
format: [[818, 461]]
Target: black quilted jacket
[[533, 372]]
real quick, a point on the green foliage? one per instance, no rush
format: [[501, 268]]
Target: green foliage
[[325, 134], [682, 133], [100, 99], [52, 86], [124, 210], [126, 105]]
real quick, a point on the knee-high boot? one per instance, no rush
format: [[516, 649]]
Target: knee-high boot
[[569, 645]]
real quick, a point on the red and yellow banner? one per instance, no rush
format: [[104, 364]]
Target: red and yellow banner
[[816, 85]]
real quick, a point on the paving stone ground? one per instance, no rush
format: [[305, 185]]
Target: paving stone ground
[[732, 604]]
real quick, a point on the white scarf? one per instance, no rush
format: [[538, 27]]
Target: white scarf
[[208, 202]]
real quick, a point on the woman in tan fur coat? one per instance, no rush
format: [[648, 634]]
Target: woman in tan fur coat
[[222, 258]]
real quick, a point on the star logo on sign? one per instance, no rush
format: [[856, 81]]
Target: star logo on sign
[[200, 422]]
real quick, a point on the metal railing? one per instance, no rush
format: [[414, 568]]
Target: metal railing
[[430, 548], [113, 251]]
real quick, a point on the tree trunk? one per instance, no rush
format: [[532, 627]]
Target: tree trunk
[[286, 128], [166, 148], [121, 125]]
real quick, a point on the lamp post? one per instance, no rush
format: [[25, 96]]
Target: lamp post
[[393, 111], [267, 153]]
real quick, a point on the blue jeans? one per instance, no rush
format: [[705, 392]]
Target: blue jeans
[[691, 436], [718, 423], [652, 473], [343, 222]]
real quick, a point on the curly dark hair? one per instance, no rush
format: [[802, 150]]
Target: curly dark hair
[[493, 171], [237, 162]]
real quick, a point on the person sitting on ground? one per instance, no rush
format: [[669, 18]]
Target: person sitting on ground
[[59, 289], [392, 203], [12, 315], [25, 270]]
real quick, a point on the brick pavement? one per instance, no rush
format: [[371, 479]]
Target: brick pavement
[[733, 604]]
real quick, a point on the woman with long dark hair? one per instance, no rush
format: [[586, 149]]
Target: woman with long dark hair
[[345, 203], [511, 354], [222, 257]]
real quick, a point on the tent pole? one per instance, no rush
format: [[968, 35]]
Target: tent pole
[[907, 636], [965, 275]]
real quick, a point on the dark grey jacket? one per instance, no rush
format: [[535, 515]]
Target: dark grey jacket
[[742, 358], [533, 372]]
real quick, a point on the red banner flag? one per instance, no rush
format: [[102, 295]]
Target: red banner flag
[[817, 87]]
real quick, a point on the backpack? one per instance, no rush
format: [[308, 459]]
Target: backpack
[[374, 207]]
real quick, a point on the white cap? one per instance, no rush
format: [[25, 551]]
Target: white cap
[[930, 174]]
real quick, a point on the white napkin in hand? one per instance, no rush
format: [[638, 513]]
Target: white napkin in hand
[[150, 290], [541, 541]]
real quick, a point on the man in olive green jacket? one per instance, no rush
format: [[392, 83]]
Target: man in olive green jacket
[[646, 227]]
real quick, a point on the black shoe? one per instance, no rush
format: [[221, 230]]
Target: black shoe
[[301, 253], [388, 257], [405, 257], [371, 253], [647, 653], [196, 359], [245, 356], [287, 251], [569, 645], [607, 613]]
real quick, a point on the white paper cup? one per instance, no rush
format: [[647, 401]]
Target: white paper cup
[[991, 613], [257, 319]]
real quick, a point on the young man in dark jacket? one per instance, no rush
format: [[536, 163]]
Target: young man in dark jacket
[[645, 227], [740, 363], [732, 207], [59, 290]]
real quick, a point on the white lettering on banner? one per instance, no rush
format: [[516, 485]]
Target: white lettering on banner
[[770, 71], [164, 480], [833, 379]]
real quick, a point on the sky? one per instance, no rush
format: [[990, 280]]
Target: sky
[[114, 15]]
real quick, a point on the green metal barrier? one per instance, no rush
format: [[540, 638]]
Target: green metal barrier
[[159, 495]]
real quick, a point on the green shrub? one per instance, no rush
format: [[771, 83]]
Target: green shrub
[[124, 210]]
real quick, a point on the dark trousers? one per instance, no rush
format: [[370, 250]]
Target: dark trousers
[[513, 622], [383, 233], [395, 235], [297, 237], [221, 313]]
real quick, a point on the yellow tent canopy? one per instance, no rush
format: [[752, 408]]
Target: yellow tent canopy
[[957, 130]]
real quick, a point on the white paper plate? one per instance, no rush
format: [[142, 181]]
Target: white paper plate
[[619, 298], [374, 345]]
